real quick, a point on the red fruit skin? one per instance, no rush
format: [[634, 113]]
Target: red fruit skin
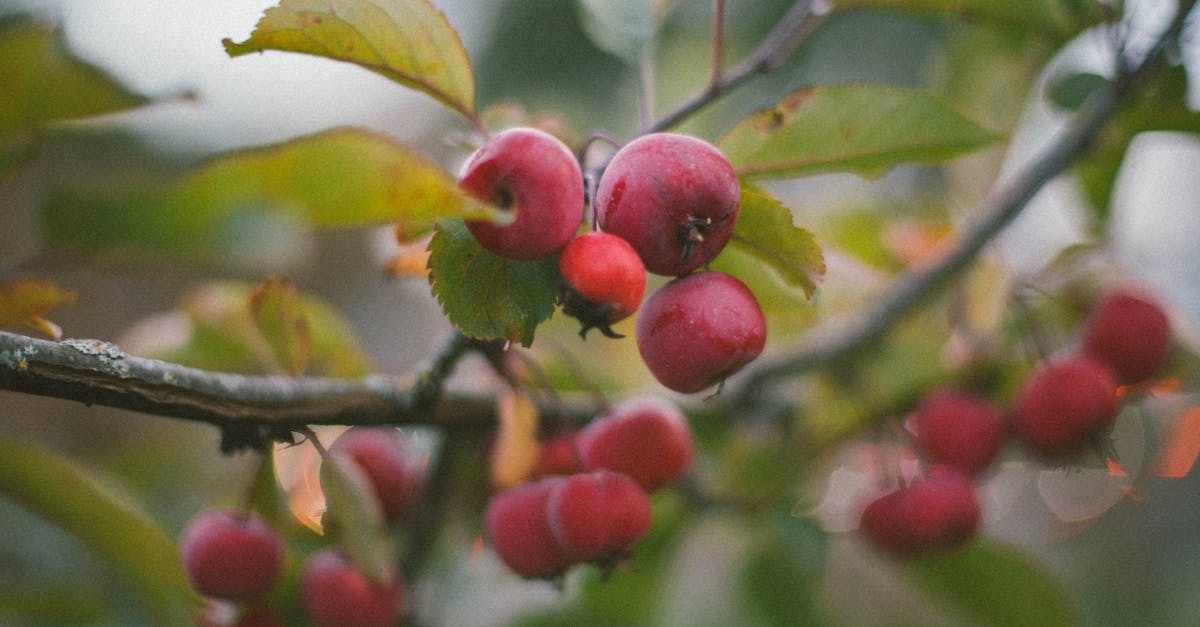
[[605, 270], [1131, 333], [699, 329], [598, 514], [646, 438], [520, 532], [387, 458], [536, 176], [336, 594], [960, 430], [231, 555], [1064, 404], [658, 185], [935, 513], [559, 456]]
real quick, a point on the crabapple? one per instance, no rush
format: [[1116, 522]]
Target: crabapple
[[231, 555], [646, 438], [520, 532], [387, 459], [534, 175], [597, 514], [937, 512], [1130, 332], [699, 329], [1063, 404], [675, 198], [558, 455], [336, 594], [959, 430], [603, 281]]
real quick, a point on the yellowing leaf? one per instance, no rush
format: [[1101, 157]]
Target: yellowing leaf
[[764, 229], [43, 82], [408, 41], [279, 315], [487, 296], [515, 455], [865, 129], [29, 301]]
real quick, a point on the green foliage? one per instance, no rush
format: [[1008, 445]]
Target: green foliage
[[335, 179], [408, 41], [782, 572], [44, 83], [765, 230], [486, 296], [623, 27], [990, 584], [354, 518], [135, 546], [863, 129], [1056, 19]]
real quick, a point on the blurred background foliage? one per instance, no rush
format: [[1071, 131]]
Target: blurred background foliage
[[109, 104]]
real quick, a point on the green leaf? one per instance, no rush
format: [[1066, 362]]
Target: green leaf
[[279, 315], [1059, 20], [487, 296], [764, 229], [782, 574], [623, 27], [994, 585], [244, 203], [52, 488], [354, 517], [408, 41], [864, 129], [43, 82]]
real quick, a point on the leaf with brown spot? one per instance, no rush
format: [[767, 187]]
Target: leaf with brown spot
[[279, 315]]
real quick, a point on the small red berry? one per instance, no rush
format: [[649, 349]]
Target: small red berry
[[597, 514], [934, 513], [520, 532], [603, 281], [646, 438], [674, 198], [699, 329], [959, 430], [1131, 333], [231, 555], [387, 458], [1064, 404], [534, 175], [558, 455], [336, 594]]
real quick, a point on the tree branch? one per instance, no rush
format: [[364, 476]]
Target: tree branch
[[776, 47], [837, 340], [97, 372]]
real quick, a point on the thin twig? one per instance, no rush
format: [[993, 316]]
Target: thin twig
[[718, 42], [803, 18], [835, 341]]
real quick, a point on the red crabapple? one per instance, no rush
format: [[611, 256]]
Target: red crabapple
[[675, 198], [389, 462], [520, 532], [1063, 405], [596, 515], [231, 555], [959, 430], [534, 175], [699, 329], [336, 594], [603, 281], [1130, 332], [646, 438], [937, 512]]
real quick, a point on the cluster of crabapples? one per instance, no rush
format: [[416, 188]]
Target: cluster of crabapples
[[236, 558], [665, 203], [1065, 406], [588, 502]]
